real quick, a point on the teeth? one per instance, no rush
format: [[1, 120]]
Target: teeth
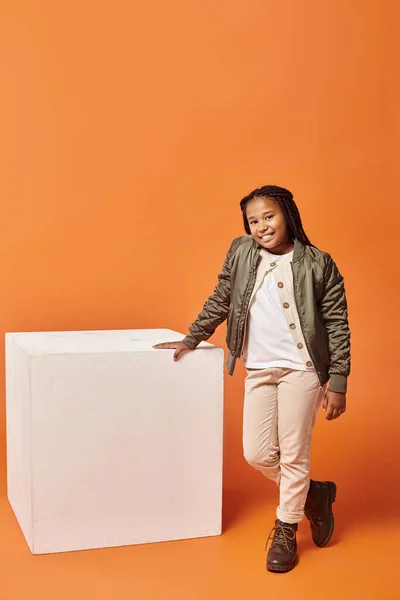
[[264, 237]]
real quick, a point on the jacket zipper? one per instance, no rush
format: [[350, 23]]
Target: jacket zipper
[[241, 338], [302, 324]]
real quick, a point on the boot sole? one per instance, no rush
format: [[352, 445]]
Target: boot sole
[[275, 569], [332, 497]]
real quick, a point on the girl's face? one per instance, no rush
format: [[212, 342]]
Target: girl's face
[[268, 225]]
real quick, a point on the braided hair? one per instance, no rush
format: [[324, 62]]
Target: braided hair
[[288, 206]]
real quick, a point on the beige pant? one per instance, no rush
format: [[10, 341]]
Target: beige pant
[[280, 408]]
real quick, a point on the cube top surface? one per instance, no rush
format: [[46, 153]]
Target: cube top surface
[[91, 342]]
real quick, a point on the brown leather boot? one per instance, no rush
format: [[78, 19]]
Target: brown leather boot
[[318, 510], [282, 555]]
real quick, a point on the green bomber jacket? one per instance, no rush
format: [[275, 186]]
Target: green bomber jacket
[[320, 301]]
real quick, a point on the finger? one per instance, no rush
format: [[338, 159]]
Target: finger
[[177, 354], [324, 402], [335, 414], [329, 412], [165, 345]]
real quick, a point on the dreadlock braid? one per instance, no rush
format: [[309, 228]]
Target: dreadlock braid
[[288, 207]]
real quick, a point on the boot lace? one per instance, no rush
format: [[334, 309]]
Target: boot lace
[[281, 535], [312, 514]]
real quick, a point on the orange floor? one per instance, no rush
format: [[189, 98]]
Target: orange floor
[[360, 562]]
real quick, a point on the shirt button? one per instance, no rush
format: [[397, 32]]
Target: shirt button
[[285, 305], [280, 284], [300, 345], [272, 265], [309, 363], [292, 326]]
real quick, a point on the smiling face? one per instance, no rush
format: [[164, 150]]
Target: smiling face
[[268, 225]]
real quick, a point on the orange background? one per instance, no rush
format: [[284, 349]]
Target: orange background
[[129, 133]]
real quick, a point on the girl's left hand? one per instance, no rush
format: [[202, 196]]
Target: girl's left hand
[[334, 403]]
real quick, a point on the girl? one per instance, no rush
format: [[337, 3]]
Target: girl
[[286, 311]]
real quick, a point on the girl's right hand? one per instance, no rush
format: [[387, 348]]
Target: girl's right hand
[[180, 348]]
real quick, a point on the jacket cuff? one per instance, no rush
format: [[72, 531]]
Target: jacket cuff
[[191, 342], [338, 383]]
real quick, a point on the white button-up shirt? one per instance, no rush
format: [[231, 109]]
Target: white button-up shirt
[[273, 336]]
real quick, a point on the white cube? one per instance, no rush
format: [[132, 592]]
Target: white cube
[[109, 441]]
